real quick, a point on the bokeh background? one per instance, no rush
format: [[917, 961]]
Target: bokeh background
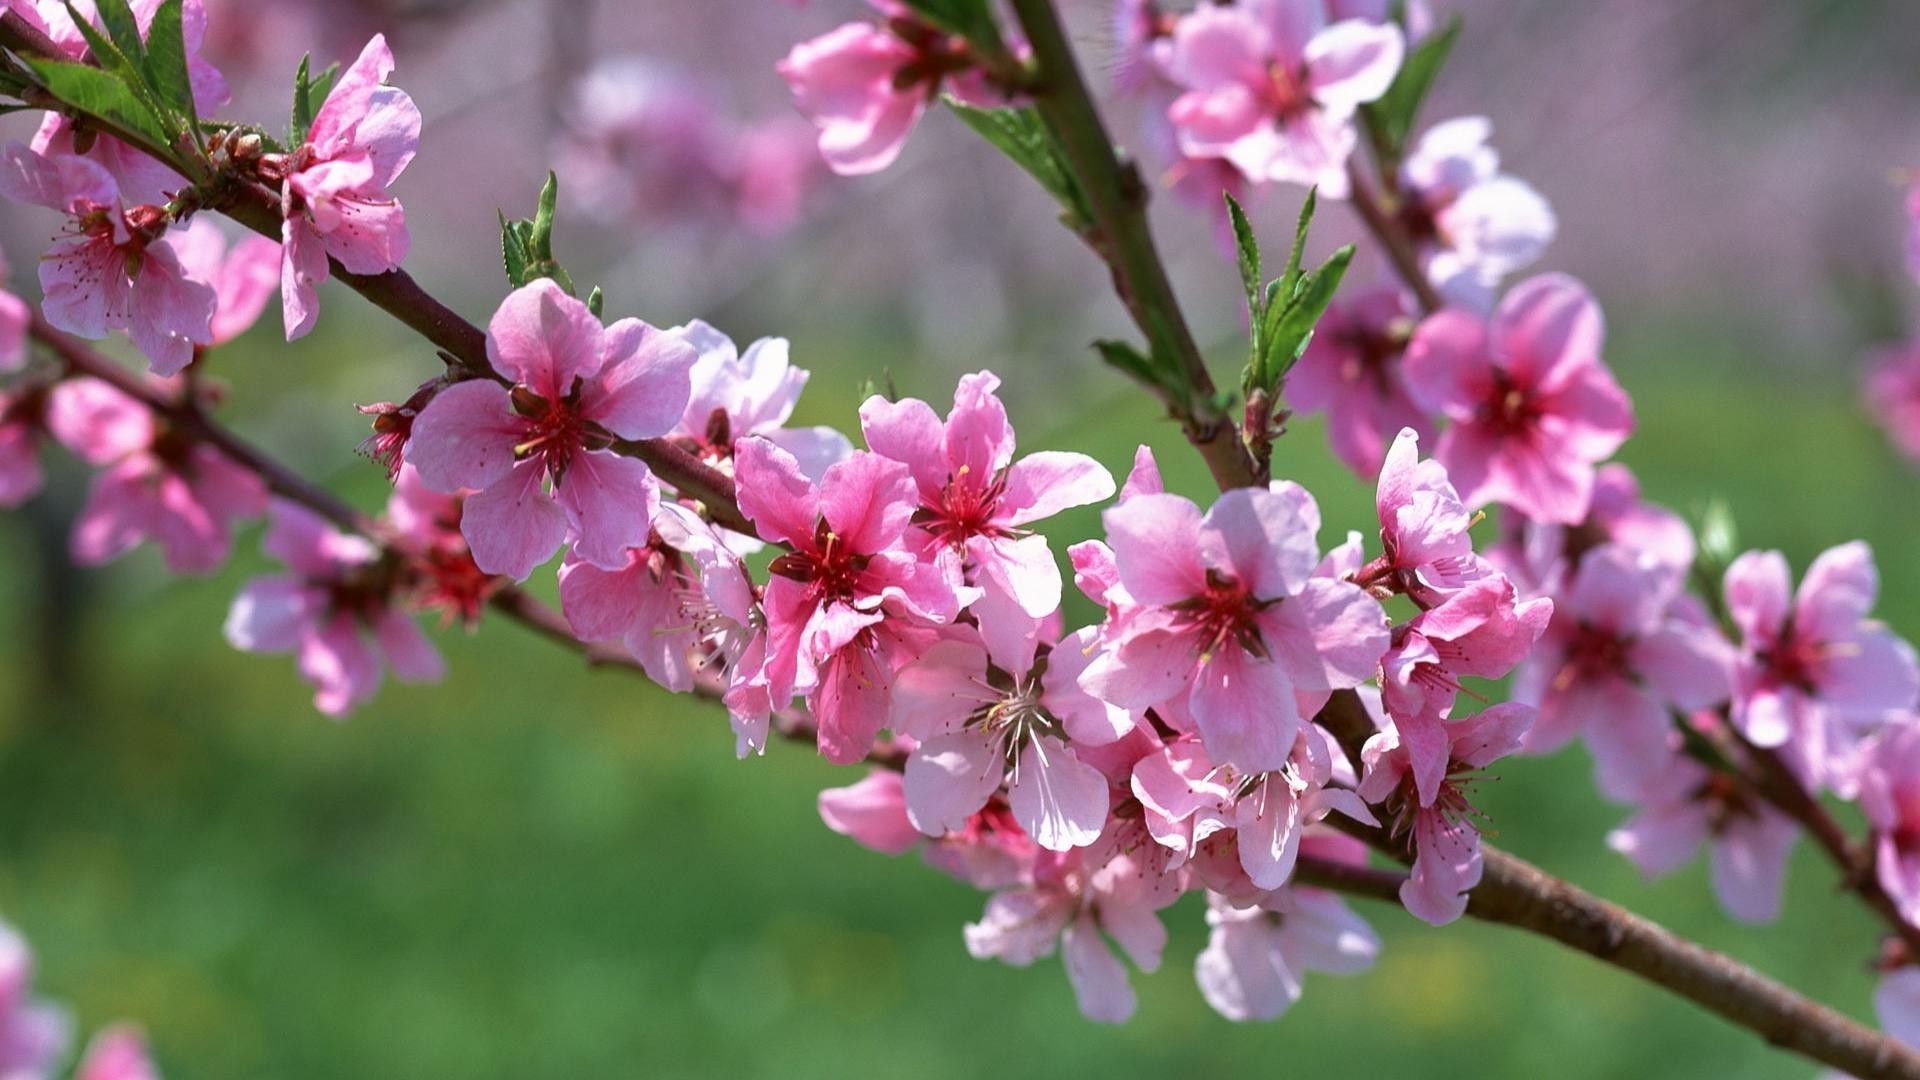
[[537, 871]]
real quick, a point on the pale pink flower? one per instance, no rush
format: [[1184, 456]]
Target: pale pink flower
[[15, 317], [1353, 371], [117, 1053], [1533, 408], [577, 388], [335, 609], [991, 851], [1257, 955], [1446, 841], [1684, 804], [1541, 557], [22, 421], [740, 394], [243, 275], [1815, 673], [1889, 779], [426, 525], [1473, 225], [334, 197], [981, 725], [1627, 649], [1231, 619], [1187, 800], [115, 269], [849, 603], [1480, 631], [34, 1035], [1427, 549], [977, 504], [155, 484], [1896, 1002], [1077, 902], [1892, 395], [873, 812], [866, 85], [1273, 89]]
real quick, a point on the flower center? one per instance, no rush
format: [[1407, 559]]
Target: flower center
[[965, 509], [1287, 95], [1226, 612], [1510, 408], [555, 431], [830, 568]]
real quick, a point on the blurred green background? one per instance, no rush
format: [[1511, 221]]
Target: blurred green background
[[539, 871]]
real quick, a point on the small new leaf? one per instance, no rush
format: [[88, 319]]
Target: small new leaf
[[309, 94], [526, 246], [122, 27], [166, 60], [103, 94], [1249, 249], [968, 18], [1290, 333], [1393, 116], [1023, 137]]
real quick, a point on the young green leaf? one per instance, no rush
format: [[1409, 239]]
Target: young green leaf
[[1249, 249], [103, 94], [166, 60], [129, 70], [1129, 361], [309, 94], [513, 251], [1023, 138], [1290, 280], [543, 218], [1291, 332], [1393, 116], [968, 18], [596, 302], [122, 27]]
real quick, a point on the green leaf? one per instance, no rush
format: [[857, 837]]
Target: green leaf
[[309, 94], [166, 60], [1249, 248], [543, 218], [596, 302], [969, 18], [1393, 116], [105, 95], [513, 251], [122, 27], [1129, 361], [1290, 280], [1023, 137], [1291, 332], [526, 246], [130, 69]]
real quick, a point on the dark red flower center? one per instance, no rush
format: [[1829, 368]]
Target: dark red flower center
[[964, 509], [1227, 611], [829, 568]]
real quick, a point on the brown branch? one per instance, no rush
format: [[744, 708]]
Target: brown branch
[[1122, 236], [1392, 239]]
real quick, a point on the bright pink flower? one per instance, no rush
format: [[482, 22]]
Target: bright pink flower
[[1077, 901], [426, 525], [1446, 841], [1892, 395], [1479, 631], [1684, 804], [737, 395], [1186, 800], [1541, 557], [155, 483], [1232, 619], [1273, 89], [1815, 672], [1627, 649], [33, 1034], [1427, 548], [577, 387], [117, 1053], [845, 605], [1353, 371], [992, 851], [1889, 779], [1473, 224], [977, 503], [242, 276], [115, 269], [336, 610], [1533, 407], [873, 812], [334, 197], [865, 86], [140, 176], [1257, 955], [980, 725]]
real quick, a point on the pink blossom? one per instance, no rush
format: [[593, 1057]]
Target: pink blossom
[[1231, 620], [34, 1035], [1353, 371], [1446, 841], [849, 603], [1257, 955], [1683, 804], [155, 483], [334, 198], [1892, 395], [1187, 800], [976, 504], [740, 394], [1077, 902], [980, 725], [15, 317], [865, 86], [242, 275], [1273, 90], [991, 851], [1627, 649], [1815, 672], [22, 419], [1533, 407], [1542, 556], [873, 812], [426, 525], [115, 269], [1473, 224], [335, 609], [577, 387], [1890, 796], [1427, 550], [117, 1053], [1480, 631]]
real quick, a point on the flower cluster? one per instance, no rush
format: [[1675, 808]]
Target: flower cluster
[[35, 1036]]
